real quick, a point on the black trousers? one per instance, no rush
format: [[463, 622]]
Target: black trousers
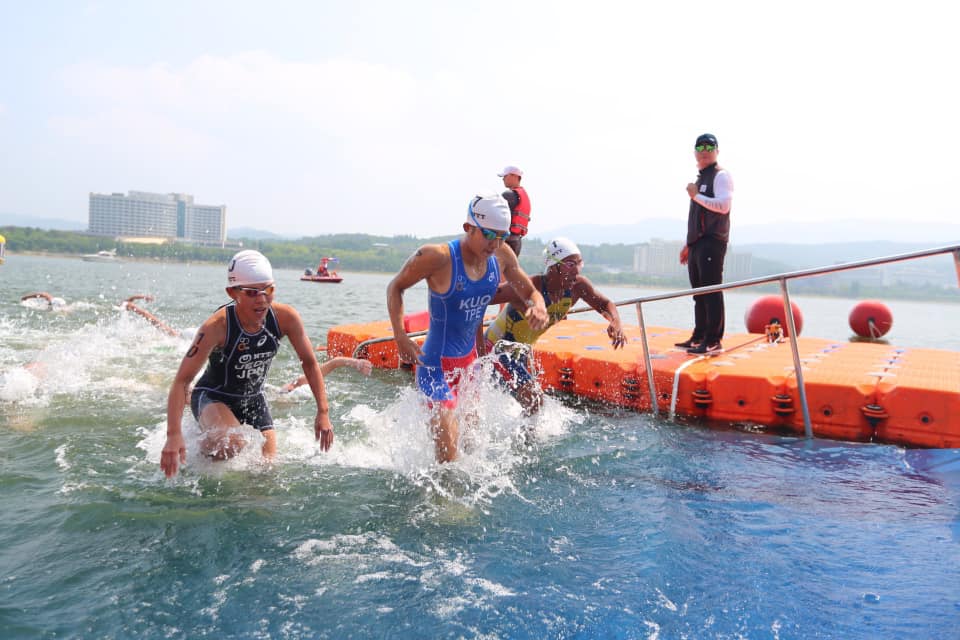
[[705, 267]]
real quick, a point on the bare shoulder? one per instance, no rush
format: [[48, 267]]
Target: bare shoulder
[[583, 283], [217, 322], [583, 287], [432, 254], [427, 259], [210, 334], [506, 257], [287, 316]]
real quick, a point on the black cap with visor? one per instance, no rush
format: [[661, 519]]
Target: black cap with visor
[[706, 138]]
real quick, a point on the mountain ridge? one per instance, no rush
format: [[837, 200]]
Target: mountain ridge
[[917, 234], [930, 234]]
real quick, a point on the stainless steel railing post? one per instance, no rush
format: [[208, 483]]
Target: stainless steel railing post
[[797, 366], [956, 263], [647, 360]]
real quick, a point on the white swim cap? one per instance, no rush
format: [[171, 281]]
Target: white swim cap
[[490, 212], [558, 249], [249, 267]]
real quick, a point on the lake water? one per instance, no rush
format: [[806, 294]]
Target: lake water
[[608, 524]]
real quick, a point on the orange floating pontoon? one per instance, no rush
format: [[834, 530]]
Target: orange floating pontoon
[[855, 390]]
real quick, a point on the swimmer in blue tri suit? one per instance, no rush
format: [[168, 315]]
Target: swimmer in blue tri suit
[[462, 276], [238, 343]]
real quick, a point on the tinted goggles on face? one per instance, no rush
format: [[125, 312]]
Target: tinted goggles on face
[[706, 147], [488, 234], [252, 292], [568, 262]]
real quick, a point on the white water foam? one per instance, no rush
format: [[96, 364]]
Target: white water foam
[[117, 355], [374, 557], [495, 439]]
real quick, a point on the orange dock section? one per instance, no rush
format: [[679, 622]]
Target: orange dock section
[[855, 390]]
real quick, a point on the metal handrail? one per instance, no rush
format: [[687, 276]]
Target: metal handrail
[[781, 278]]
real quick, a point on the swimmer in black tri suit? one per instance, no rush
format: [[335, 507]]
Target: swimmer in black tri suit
[[239, 342]]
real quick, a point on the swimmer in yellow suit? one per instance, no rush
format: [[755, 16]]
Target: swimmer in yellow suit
[[510, 336]]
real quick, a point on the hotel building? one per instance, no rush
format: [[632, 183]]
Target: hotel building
[[662, 258], [172, 216]]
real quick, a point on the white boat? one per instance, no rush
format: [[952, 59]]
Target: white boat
[[102, 256]]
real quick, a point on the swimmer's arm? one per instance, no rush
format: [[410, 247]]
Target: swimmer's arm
[[425, 263], [209, 335], [604, 306], [363, 366], [523, 286], [292, 326], [506, 294], [152, 319]]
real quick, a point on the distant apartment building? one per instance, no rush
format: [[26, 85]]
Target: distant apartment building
[[662, 258], [173, 216]]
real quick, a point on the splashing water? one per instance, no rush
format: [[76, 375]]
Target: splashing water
[[582, 521], [495, 439]]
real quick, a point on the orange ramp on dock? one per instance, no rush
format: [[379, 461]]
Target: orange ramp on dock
[[855, 390]]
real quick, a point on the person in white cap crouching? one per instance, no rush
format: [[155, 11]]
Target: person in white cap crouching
[[510, 335], [238, 343], [462, 277]]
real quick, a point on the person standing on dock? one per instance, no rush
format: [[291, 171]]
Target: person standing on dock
[[238, 343], [510, 335], [708, 231], [516, 196], [462, 277]]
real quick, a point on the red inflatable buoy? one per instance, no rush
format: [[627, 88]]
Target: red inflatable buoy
[[870, 319], [413, 322], [768, 309]]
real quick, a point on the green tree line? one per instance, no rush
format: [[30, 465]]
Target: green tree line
[[386, 254]]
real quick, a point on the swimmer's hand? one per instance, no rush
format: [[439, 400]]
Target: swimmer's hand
[[363, 366], [537, 317], [173, 455], [617, 339], [323, 431], [409, 350]]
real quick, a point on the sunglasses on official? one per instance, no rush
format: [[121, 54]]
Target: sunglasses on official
[[252, 292], [706, 147]]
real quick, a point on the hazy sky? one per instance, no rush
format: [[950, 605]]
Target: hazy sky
[[385, 117]]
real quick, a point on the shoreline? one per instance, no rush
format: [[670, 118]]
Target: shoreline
[[949, 297]]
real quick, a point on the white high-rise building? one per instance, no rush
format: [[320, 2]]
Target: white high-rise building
[[157, 215], [662, 258]]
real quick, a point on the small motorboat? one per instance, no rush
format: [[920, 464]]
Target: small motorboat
[[324, 272], [102, 256]]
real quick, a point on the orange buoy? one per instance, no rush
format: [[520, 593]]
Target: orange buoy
[[870, 319], [416, 321], [769, 309]]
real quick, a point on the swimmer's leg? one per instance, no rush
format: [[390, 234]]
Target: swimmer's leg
[[269, 443], [221, 439], [530, 397], [446, 432]]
